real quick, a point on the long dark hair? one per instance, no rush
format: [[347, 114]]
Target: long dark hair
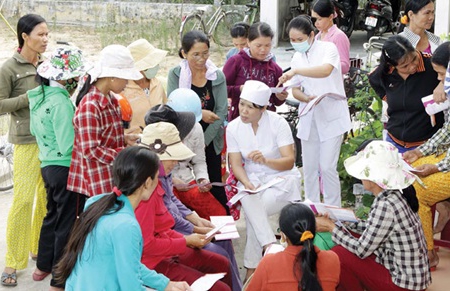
[[191, 38], [239, 29], [132, 167], [295, 219], [26, 24], [441, 55]]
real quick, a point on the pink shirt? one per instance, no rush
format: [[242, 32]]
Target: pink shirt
[[338, 37]]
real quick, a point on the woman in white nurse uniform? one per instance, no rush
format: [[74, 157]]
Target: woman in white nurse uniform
[[317, 65], [260, 148]]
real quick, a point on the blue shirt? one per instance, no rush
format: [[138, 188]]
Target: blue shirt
[[111, 257]]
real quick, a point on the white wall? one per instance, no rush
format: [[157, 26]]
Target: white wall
[[269, 14], [442, 22]]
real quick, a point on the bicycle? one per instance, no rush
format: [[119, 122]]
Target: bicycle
[[291, 116], [219, 24], [6, 155], [251, 12]]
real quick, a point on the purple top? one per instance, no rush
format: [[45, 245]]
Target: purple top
[[428, 49], [240, 68], [338, 37], [175, 207]]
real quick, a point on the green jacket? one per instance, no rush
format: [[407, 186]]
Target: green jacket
[[16, 78], [51, 124], [215, 131]]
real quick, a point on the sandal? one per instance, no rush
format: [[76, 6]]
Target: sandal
[[6, 276]]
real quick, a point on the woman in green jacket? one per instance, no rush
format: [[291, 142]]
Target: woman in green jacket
[[198, 73], [51, 113], [16, 77]]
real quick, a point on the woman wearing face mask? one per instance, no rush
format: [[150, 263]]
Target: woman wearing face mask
[[317, 65], [99, 134], [17, 76], [51, 123], [324, 13], [301, 266], [253, 63], [147, 92]]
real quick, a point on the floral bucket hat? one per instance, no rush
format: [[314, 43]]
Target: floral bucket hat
[[65, 63], [381, 163]]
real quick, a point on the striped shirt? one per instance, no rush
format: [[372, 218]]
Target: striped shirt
[[395, 236]]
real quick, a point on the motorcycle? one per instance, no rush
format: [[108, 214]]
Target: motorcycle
[[377, 16]]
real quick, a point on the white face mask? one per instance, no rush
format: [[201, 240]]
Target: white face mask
[[301, 47]]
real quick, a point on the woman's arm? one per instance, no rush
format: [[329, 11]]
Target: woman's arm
[[343, 46], [301, 96], [8, 104], [62, 115], [230, 71], [286, 162], [239, 171], [172, 81], [220, 108], [198, 161]]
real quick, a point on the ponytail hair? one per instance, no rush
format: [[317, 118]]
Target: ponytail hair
[[132, 167], [298, 223], [83, 91]]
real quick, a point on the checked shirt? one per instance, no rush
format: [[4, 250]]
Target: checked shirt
[[99, 137], [394, 235]]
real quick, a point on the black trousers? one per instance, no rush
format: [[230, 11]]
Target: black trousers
[[214, 164], [63, 207]]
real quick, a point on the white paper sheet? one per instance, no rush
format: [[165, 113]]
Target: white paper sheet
[[205, 282]]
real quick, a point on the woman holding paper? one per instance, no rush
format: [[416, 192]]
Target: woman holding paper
[[260, 149], [321, 125], [432, 160], [390, 253], [403, 78]]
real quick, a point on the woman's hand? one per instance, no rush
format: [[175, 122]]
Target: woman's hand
[[257, 157], [208, 116], [198, 221], [130, 139], [202, 229], [324, 223], [204, 188], [282, 96], [196, 240], [426, 170], [412, 156], [248, 185], [178, 286], [286, 77], [439, 95]]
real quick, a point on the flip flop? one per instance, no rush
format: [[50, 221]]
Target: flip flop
[[6, 276]]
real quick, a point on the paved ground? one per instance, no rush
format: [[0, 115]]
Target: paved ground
[[441, 279]]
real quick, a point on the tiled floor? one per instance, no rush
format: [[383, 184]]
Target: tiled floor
[[441, 277]]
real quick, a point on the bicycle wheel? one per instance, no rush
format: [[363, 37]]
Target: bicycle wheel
[[6, 155], [222, 31], [191, 22]]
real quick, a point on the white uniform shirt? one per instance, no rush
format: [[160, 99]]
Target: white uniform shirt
[[273, 132], [331, 116]]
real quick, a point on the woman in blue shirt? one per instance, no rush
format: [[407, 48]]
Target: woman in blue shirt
[[105, 247]]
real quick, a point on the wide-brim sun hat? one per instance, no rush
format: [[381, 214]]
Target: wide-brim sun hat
[[145, 55], [115, 61], [380, 163], [183, 121], [256, 92], [184, 99], [163, 138], [64, 63]]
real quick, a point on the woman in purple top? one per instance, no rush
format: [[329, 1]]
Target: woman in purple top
[[253, 63], [323, 12]]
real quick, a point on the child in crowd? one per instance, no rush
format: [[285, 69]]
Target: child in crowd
[[239, 37]]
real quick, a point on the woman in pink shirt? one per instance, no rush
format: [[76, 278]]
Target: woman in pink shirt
[[323, 13]]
